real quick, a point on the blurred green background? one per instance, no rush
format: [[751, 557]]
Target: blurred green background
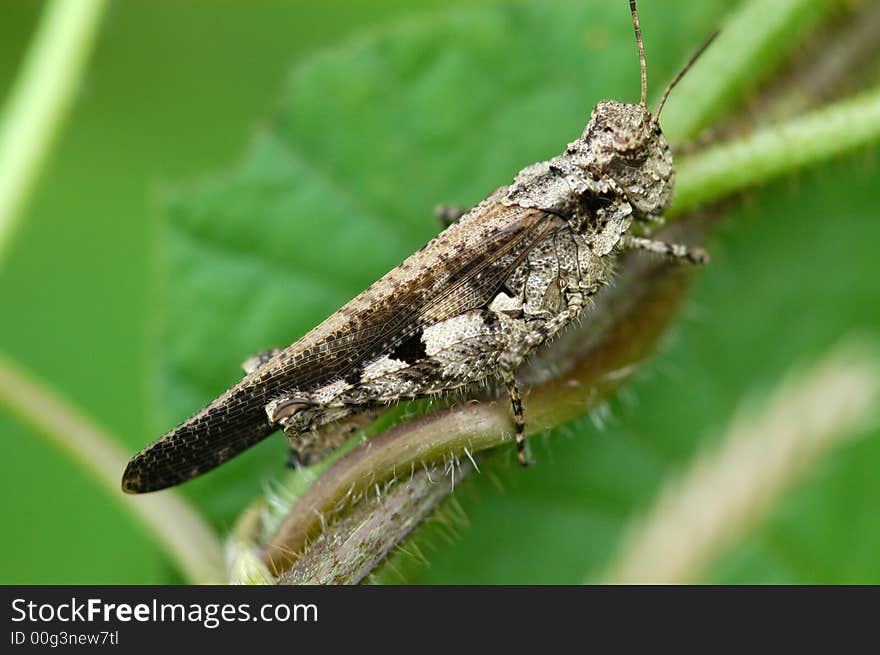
[[175, 93]]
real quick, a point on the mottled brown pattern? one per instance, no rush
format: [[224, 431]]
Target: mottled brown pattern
[[471, 304], [476, 253]]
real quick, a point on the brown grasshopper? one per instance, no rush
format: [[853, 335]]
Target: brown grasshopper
[[499, 281]]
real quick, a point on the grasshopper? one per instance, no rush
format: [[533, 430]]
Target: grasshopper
[[502, 279]]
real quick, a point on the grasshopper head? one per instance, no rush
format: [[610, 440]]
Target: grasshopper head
[[629, 147]]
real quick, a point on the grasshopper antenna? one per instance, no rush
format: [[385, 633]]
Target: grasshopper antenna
[[684, 70], [635, 15]]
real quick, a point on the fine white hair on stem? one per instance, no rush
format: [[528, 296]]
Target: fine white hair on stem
[[244, 563], [732, 487]]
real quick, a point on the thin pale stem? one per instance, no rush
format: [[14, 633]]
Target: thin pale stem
[[40, 97], [727, 491], [183, 533]]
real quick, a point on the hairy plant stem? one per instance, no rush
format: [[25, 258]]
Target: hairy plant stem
[[753, 41], [362, 538], [39, 100], [815, 137]]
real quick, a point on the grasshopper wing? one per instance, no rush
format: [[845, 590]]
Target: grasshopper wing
[[460, 269]]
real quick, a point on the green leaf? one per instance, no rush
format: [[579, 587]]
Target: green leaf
[[340, 187]]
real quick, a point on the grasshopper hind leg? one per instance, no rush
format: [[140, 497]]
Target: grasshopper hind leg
[[314, 431], [513, 358], [522, 451]]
